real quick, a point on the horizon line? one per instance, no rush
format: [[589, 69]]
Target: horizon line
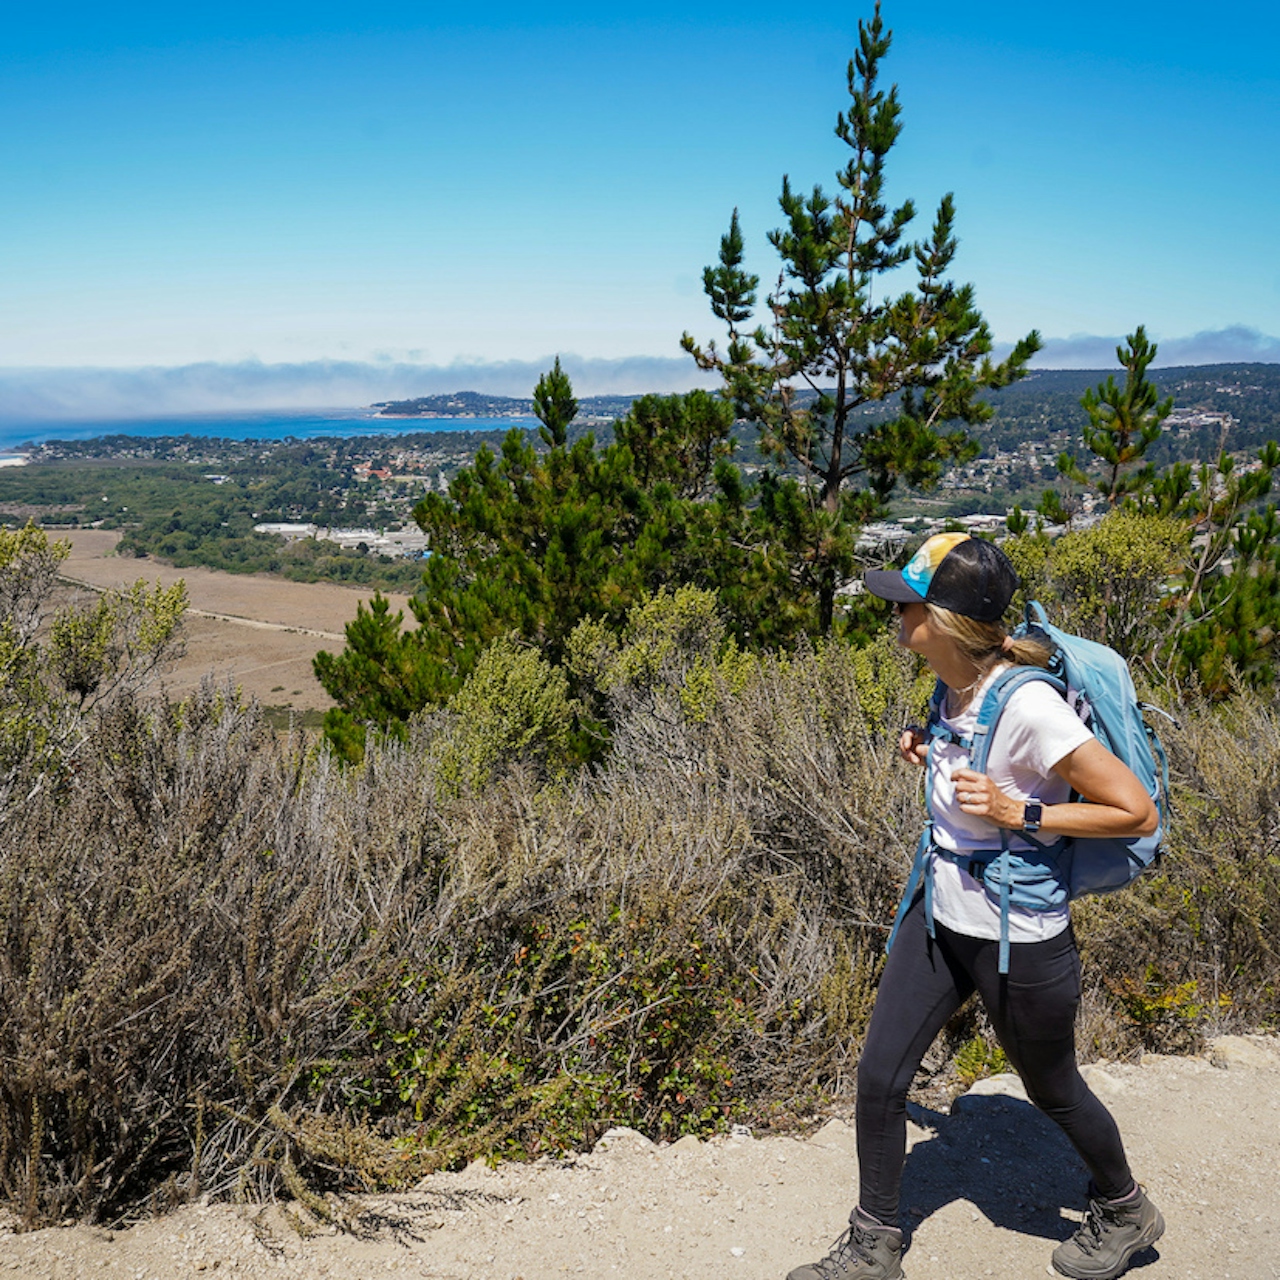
[[39, 393]]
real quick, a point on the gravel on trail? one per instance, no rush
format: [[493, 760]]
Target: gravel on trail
[[990, 1189]]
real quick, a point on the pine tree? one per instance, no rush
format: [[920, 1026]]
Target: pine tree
[[1124, 422], [530, 541], [555, 405], [848, 384], [1227, 608]]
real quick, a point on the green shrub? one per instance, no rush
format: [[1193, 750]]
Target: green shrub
[[577, 1026], [978, 1058], [514, 706], [1108, 582], [1169, 1017]]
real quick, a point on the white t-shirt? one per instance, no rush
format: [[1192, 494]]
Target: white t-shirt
[[1036, 730]]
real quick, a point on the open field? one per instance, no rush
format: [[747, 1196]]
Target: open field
[[261, 632]]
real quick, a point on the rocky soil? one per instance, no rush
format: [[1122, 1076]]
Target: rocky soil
[[991, 1187]]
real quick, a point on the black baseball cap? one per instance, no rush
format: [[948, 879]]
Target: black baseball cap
[[955, 572]]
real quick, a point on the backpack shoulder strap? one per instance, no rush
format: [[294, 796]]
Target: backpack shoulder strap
[[977, 747], [935, 730], [1003, 687], [994, 702], [1035, 616]]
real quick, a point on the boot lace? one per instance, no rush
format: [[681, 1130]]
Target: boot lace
[[854, 1246], [1088, 1237]]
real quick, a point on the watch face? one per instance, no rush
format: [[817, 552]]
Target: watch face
[[1031, 815]]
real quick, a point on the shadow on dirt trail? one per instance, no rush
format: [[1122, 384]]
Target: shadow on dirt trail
[[1007, 1159]]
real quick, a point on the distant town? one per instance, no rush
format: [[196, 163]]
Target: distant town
[[343, 507]]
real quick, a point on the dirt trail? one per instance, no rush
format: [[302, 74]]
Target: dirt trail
[[990, 1189], [258, 631]]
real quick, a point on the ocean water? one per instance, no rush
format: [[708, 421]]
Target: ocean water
[[246, 426]]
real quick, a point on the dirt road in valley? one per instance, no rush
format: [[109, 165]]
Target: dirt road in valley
[[261, 632], [990, 1189]]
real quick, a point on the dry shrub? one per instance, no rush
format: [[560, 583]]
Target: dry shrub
[[1193, 949], [230, 966], [176, 930]]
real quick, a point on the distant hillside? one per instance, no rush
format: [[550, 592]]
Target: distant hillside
[[1048, 400], [475, 404], [1044, 406]]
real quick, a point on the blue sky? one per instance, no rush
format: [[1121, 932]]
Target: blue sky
[[411, 187]]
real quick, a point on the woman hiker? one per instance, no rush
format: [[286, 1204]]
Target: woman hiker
[[950, 599]]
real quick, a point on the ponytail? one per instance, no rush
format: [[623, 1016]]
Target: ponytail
[[986, 643], [1027, 652]]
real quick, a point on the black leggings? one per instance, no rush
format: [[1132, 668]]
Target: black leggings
[[1033, 1011]]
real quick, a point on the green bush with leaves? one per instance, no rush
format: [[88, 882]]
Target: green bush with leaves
[[578, 1025], [58, 666], [1113, 582], [514, 707], [978, 1058], [669, 661]]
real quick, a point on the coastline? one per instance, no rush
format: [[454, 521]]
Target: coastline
[[19, 436]]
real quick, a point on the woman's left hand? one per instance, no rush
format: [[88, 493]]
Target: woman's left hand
[[979, 797]]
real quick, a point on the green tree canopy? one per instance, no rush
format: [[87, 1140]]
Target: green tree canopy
[[886, 371], [529, 541]]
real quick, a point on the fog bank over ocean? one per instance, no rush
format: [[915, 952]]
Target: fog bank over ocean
[[1236, 344], [41, 394], [48, 394]]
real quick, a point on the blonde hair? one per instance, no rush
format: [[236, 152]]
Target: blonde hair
[[986, 643]]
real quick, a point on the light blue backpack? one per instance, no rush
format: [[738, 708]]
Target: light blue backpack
[[1096, 683]]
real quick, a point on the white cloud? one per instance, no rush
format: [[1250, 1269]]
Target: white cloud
[[53, 394], [1221, 346], [1233, 345], [44, 394]]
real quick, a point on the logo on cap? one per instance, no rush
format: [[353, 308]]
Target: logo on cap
[[924, 564]]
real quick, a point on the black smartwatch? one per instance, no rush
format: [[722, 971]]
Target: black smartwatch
[[1032, 813]]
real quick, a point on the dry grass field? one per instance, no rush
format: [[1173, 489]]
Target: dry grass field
[[261, 632]]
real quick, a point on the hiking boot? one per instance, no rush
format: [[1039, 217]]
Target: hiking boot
[[1111, 1233], [867, 1251]]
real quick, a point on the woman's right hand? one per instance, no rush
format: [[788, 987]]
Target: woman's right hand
[[913, 746]]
